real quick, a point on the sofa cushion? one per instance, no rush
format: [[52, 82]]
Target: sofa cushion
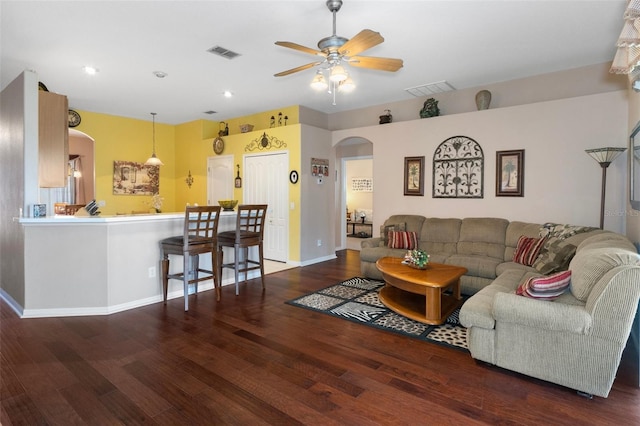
[[591, 264], [440, 235], [527, 250], [477, 310], [504, 266], [601, 238], [555, 256], [477, 266], [560, 246], [548, 287], [514, 231], [386, 228], [407, 240], [483, 237]]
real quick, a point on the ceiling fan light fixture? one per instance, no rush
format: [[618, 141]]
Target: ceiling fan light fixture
[[319, 82], [338, 74], [347, 86]]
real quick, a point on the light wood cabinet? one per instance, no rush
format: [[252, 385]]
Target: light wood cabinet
[[53, 133]]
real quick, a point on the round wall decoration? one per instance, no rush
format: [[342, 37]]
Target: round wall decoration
[[74, 118], [293, 176], [218, 145]]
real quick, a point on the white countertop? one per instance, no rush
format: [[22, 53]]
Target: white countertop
[[64, 219]]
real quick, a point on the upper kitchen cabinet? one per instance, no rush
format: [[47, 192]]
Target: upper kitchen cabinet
[[53, 133]]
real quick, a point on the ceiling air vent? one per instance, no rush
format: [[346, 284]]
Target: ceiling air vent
[[221, 51], [430, 89], [211, 112]]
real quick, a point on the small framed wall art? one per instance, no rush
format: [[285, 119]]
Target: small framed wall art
[[414, 176], [510, 173]]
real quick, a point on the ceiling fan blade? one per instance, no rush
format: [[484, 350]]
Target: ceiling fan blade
[[362, 41], [300, 68], [382, 64], [299, 47]]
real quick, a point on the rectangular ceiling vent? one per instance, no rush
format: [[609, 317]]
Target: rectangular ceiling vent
[[221, 51], [211, 112], [430, 89]]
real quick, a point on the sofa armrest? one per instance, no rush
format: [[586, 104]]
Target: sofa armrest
[[370, 242], [552, 316]]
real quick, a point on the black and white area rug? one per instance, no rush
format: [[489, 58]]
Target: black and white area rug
[[356, 300]]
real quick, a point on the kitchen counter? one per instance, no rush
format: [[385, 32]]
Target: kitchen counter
[[102, 265]]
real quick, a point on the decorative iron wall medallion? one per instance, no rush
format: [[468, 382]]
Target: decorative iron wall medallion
[[458, 169], [265, 142]]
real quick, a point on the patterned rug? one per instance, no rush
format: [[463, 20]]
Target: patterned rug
[[356, 300]]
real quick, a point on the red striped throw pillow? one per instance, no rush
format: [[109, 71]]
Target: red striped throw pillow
[[407, 240], [547, 288], [527, 250]]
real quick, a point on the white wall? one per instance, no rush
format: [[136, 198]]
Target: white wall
[[19, 177], [562, 183], [358, 200], [318, 200]]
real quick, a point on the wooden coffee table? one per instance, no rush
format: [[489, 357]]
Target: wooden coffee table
[[420, 294]]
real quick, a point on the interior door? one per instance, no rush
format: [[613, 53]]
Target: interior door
[[266, 180], [219, 179]]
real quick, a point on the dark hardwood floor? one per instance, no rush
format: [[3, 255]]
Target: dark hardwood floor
[[252, 359]]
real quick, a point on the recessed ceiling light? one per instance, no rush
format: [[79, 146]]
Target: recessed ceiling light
[[90, 70], [227, 94], [160, 74]]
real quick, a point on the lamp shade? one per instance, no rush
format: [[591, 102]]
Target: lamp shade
[[633, 10], [626, 58], [153, 160], [604, 156], [319, 82], [347, 85], [630, 36], [338, 74]]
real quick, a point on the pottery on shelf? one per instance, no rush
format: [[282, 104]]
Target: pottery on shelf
[[483, 99]]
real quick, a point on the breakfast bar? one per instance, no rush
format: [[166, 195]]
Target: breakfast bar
[[102, 265]]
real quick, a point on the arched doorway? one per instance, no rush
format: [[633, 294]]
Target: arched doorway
[[353, 153]]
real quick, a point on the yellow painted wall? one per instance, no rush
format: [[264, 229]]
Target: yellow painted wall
[[185, 148], [126, 139], [192, 151]]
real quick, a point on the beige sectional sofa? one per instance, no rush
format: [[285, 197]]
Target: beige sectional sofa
[[575, 340]]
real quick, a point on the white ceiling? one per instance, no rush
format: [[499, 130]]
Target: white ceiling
[[467, 43]]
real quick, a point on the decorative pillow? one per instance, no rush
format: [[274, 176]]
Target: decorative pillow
[[546, 288], [407, 240], [527, 250], [384, 231], [555, 256]]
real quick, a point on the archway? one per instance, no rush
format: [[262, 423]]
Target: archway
[[349, 151]]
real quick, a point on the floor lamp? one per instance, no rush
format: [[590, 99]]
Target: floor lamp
[[604, 156]]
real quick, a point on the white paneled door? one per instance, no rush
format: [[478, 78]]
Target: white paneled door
[[266, 181], [220, 179]]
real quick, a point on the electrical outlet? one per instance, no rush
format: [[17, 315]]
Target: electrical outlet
[[152, 272], [319, 243], [102, 203]]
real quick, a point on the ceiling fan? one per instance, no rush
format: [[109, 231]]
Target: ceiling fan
[[336, 49]]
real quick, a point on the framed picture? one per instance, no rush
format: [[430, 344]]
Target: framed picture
[[414, 175], [510, 173], [132, 178]]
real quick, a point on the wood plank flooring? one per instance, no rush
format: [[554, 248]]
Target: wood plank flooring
[[252, 359]]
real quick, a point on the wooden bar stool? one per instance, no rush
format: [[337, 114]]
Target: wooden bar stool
[[249, 232], [200, 232]]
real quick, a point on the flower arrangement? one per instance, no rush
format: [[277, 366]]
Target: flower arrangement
[[417, 258], [156, 202]]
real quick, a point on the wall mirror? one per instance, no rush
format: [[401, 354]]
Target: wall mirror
[[634, 171]]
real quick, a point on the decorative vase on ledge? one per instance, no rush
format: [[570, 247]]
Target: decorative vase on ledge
[[483, 99]]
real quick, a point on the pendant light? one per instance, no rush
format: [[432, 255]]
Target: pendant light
[[153, 160]]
